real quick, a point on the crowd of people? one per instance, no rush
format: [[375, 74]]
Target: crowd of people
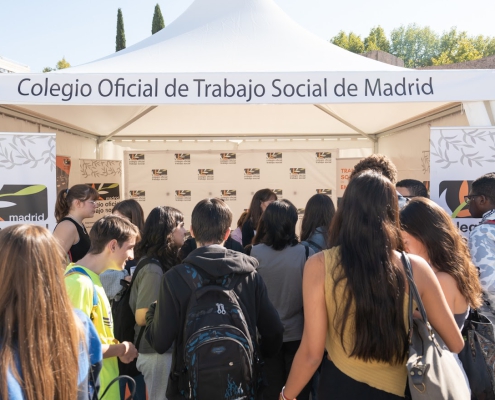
[[253, 313]]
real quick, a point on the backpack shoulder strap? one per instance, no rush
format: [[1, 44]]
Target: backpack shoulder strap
[[306, 249], [81, 271], [191, 276], [488, 222], [315, 245]]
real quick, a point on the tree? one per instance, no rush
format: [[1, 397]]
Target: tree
[[120, 38], [158, 23], [377, 40], [456, 47], [351, 42], [415, 45], [63, 63]]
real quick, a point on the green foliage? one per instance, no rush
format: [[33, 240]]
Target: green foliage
[[120, 38], [351, 42], [377, 40], [415, 45], [158, 22], [63, 63]]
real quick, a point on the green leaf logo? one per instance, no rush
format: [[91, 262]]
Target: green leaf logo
[[26, 191]]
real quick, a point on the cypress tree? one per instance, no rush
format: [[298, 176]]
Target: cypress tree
[[120, 38], [158, 23]]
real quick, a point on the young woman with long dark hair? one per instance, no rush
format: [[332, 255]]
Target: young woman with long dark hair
[[281, 262], [72, 207], [46, 347], [163, 236], [261, 199], [356, 302], [428, 231], [318, 215]]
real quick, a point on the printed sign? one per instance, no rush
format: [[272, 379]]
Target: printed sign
[[182, 158], [228, 158], [274, 158], [159, 174], [251, 173], [298, 173]]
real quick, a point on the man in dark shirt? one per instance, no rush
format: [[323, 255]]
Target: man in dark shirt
[[211, 221]]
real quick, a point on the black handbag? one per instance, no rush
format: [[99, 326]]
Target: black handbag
[[478, 355]]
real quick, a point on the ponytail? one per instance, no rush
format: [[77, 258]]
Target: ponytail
[[66, 197]]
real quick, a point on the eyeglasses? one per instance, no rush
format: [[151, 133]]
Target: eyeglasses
[[92, 202], [471, 197]]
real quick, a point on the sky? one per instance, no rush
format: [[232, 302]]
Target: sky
[[39, 33]]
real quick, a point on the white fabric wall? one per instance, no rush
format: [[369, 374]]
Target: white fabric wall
[[410, 149]]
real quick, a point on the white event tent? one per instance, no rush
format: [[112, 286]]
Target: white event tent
[[238, 69]]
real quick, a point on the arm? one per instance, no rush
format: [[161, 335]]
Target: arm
[[268, 322], [436, 306], [163, 317], [66, 234], [310, 352], [125, 351], [148, 289]]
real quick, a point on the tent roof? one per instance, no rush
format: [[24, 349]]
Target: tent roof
[[232, 36], [241, 41]]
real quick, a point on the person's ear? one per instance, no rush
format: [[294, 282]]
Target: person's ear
[[483, 200], [191, 231], [112, 245], [227, 234]]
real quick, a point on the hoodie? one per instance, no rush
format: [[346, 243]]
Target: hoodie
[[165, 319]]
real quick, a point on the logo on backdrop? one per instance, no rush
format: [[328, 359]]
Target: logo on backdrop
[[182, 195], [279, 193], [136, 159], [159, 174], [251, 173], [298, 173], [323, 157], [139, 195], [107, 191], [229, 195], [182, 158], [23, 203], [274, 158], [324, 191], [227, 158], [205, 174], [453, 193], [300, 213]]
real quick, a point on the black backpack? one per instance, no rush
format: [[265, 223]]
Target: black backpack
[[219, 354], [124, 319]]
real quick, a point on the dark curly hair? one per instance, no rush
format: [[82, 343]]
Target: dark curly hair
[[157, 240], [277, 226], [378, 163]]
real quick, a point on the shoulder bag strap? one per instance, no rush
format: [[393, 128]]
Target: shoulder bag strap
[[488, 222], [413, 293], [306, 250]]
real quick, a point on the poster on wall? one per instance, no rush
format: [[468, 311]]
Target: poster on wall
[[28, 186], [458, 156], [106, 177], [63, 172], [345, 167], [181, 180]]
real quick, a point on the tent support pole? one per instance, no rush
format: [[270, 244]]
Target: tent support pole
[[489, 112], [130, 122], [327, 111]]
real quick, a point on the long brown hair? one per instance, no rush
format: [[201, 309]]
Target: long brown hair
[[254, 213], [366, 227], [66, 197], [447, 251], [319, 211], [37, 324]]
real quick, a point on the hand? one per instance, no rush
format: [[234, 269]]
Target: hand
[[130, 353], [128, 278]]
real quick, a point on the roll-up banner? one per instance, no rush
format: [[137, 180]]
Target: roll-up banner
[[181, 180], [457, 157], [28, 184], [106, 177], [63, 172]]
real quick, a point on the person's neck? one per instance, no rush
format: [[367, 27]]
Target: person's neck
[[199, 244], [96, 263], [73, 215]]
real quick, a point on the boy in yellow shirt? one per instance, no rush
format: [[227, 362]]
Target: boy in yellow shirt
[[112, 243]]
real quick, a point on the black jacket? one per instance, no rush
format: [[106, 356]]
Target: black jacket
[[164, 322]]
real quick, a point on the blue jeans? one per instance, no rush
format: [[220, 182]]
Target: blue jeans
[[140, 387]]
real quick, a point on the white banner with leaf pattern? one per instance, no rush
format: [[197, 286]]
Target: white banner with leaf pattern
[[27, 179], [106, 177], [457, 157]]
